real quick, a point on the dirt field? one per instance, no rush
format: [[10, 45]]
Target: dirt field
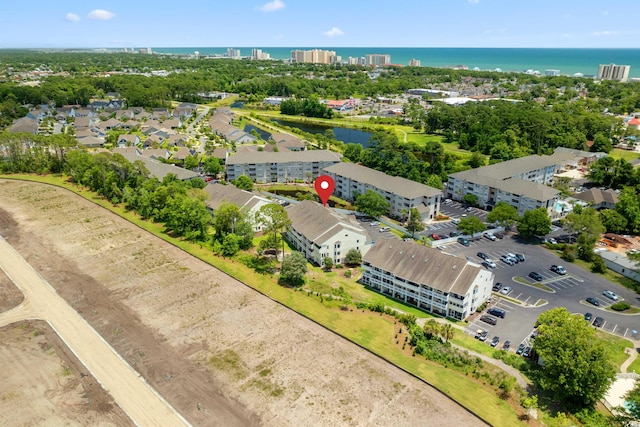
[[219, 352]]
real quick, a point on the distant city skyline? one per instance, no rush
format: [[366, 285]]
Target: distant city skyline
[[281, 23]]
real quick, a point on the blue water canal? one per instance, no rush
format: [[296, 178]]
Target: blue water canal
[[342, 134]]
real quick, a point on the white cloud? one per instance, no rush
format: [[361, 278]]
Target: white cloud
[[335, 31], [272, 6], [606, 33], [473, 1], [101, 14], [72, 17]]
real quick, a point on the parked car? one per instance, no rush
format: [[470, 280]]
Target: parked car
[[598, 322], [499, 235], [454, 234], [506, 346], [374, 223], [588, 317], [526, 352], [593, 301], [482, 335], [520, 257], [505, 290], [447, 201], [463, 241], [520, 349], [552, 241], [469, 209], [489, 264], [535, 334], [435, 236], [489, 236], [482, 255], [498, 312], [494, 341], [384, 229], [558, 269], [513, 257], [507, 260], [497, 286], [455, 221], [536, 276], [610, 295], [490, 320]]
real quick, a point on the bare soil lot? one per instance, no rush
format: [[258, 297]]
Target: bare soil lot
[[219, 352]]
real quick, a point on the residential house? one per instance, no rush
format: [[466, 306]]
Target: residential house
[[247, 201], [91, 141], [320, 232], [26, 125], [426, 278], [160, 113], [599, 199], [171, 123], [84, 112], [110, 124], [570, 158], [128, 140], [221, 153], [82, 122], [232, 133], [283, 166], [184, 109], [523, 183], [177, 140], [129, 124], [182, 153], [284, 141], [156, 153], [402, 194]]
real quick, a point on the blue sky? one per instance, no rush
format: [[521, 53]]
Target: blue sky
[[315, 23]]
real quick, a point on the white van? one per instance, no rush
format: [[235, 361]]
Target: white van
[[383, 229]]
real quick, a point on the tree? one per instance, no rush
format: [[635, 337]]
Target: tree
[[211, 166], [470, 199], [243, 182], [353, 257], [230, 219], [353, 151], [327, 263], [585, 222], [503, 214], [230, 245], [294, 267], [476, 160], [415, 221], [191, 162], [372, 204], [629, 207], [613, 221], [601, 143], [471, 225], [274, 218], [576, 368], [535, 222], [632, 398]]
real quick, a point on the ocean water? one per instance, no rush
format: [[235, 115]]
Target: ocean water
[[567, 61]]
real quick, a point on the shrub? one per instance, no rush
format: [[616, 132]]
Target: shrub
[[620, 306]]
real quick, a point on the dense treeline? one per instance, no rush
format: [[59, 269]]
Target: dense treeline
[[309, 107]]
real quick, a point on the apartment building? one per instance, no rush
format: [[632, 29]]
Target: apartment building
[[249, 202], [426, 278], [402, 194], [281, 166], [377, 60], [320, 232], [613, 72], [315, 56]]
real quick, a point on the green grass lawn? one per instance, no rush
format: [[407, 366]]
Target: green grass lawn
[[635, 366], [617, 153], [616, 345]]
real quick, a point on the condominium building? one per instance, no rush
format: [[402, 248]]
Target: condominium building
[[377, 60], [248, 202], [315, 56], [523, 183], [414, 63], [551, 72], [613, 72], [320, 232], [281, 166], [356, 61], [426, 278], [258, 55], [402, 194], [233, 53]]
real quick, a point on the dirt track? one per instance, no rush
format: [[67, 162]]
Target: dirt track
[[216, 350]]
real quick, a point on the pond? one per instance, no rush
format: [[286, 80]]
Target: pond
[[345, 135], [263, 134]]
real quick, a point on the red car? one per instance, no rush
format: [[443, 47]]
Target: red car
[[435, 237]]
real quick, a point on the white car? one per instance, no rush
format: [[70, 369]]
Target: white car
[[455, 221], [489, 236], [505, 290], [374, 223], [489, 263], [610, 295]]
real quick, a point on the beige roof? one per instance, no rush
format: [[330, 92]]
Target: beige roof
[[423, 265], [219, 193], [25, 124], [156, 168], [393, 184], [533, 190], [283, 157], [597, 196], [318, 223]]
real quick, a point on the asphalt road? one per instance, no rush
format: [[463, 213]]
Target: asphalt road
[[130, 391]]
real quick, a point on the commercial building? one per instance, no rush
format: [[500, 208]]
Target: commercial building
[[320, 232], [613, 72], [402, 194], [426, 278], [523, 183], [281, 166]]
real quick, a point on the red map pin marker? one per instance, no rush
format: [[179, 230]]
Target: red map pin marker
[[324, 187]]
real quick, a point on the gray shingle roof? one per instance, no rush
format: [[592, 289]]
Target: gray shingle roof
[[318, 223], [393, 184], [219, 193], [158, 169], [421, 264], [597, 196], [283, 157]]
